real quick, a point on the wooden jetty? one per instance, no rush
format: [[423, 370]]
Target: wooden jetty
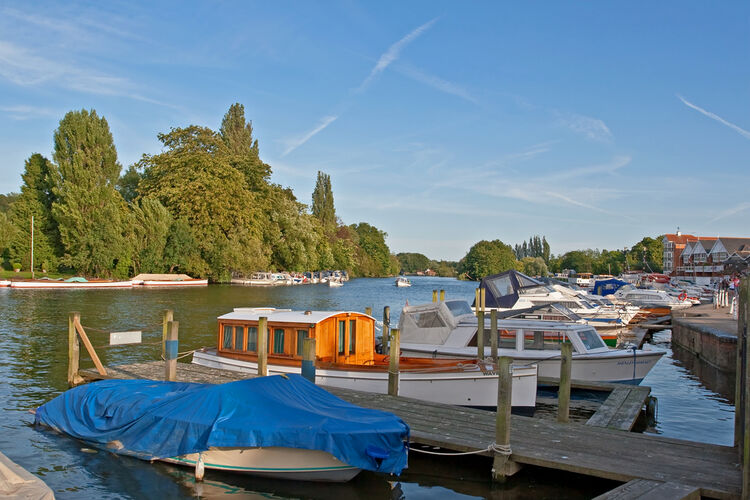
[[585, 449]]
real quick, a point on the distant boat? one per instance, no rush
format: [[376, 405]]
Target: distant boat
[[402, 281], [76, 282], [256, 279], [167, 280], [4, 282], [334, 282], [280, 426]]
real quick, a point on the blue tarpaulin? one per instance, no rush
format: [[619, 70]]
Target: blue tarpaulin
[[608, 287], [155, 419]]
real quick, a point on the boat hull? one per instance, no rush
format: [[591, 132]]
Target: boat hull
[[72, 284], [473, 387], [273, 462], [175, 283]]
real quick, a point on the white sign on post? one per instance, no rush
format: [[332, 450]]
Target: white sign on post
[[119, 338]]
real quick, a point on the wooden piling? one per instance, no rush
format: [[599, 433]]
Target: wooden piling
[[502, 465], [171, 346], [262, 346], [308, 359], [744, 403], [368, 311], [482, 296], [740, 375], [477, 304], [563, 393], [442, 295], [386, 328], [166, 317], [434, 295], [394, 353], [493, 334], [480, 334], [74, 350]]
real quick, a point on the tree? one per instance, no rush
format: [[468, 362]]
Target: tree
[[647, 254], [413, 262], [6, 200], [322, 203], [127, 185], [534, 266], [151, 223], [35, 201], [372, 257], [487, 257], [87, 208], [181, 250], [196, 180], [582, 261], [243, 151], [7, 233]]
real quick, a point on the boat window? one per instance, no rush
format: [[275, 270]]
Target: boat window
[[227, 343], [503, 285], [352, 336], [536, 340], [590, 339], [252, 338], [458, 307], [507, 339], [429, 319], [342, 337], [239, 337], [278, 341], [301, 336]]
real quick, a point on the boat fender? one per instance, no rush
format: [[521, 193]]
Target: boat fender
[[200, 468]]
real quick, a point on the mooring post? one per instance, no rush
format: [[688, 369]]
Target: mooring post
[[502, 465], [563, 393], [170, 351], [262, 346], [167, 316], [480, 334], [740, 376], [74, 350], [434, 295], [442, 295], [368, 311], [394, 353], [386, 328], [308, 359], [482, 296], [477, 304], [493, 334], [742, 331]]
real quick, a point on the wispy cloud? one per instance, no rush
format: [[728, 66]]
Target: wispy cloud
[[22, 112], [293, 144], [393, 53], [438, 83], [617, 163], [744, 133], [591, 128], [731, 211]]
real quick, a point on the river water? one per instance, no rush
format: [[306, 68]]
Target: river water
[[33, 365]]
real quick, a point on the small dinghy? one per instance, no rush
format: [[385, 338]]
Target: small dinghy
[[277, 426]]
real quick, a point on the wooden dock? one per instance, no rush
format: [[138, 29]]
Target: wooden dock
[[647, 463]]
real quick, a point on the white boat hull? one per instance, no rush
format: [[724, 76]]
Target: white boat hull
[[175, 283], [474, 387], [4, 282], [274, 462], [72, 284], [616, 365]]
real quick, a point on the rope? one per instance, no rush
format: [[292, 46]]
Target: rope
[[181, 355], [502, 449]]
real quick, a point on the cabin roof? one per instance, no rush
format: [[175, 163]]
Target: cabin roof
[[283, 315]]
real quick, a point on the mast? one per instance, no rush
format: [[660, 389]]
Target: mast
[[32, 247]]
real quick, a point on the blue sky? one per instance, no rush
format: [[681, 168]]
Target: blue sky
[[441, 123]]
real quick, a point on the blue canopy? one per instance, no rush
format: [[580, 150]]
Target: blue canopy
[[608, 287], [155, 419]]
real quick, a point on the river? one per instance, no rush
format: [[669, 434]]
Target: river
[[33, 364]]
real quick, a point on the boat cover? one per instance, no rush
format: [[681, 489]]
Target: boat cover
[[501, 290], [155, 419], [608, 287]]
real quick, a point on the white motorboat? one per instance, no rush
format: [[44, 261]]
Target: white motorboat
[[70, 283], [170, 280], [256, 279], [332, 282], [4, 283], [449, 329], [346, 358], [402, 281], [651, 299]]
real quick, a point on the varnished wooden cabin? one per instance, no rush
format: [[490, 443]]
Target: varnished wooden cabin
[[341, 337]]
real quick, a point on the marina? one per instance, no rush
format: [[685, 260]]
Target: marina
[[112, 310]]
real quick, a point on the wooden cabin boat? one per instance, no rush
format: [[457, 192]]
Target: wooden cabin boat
[[437, 330], [167, 280], [346, 357]]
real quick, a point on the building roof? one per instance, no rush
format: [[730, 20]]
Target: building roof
[[740, 246], [679, 239], [282, 315]]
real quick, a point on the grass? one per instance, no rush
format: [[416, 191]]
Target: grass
[[9, 275]]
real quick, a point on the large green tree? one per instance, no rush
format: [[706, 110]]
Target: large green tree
[[195, 178], [35, 202], [87, 209], [242, 147], [322, 203], [150, 224], [487, 257], [372, 256], [413, 262]]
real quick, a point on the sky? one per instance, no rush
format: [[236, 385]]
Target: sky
[[592, 124]]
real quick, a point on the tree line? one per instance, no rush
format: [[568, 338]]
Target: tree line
[[204, 206]]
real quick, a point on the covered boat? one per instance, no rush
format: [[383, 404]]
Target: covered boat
[[278, 426]]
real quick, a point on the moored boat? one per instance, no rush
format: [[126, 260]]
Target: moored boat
[[403, 281], [145, 279], [4, 283], [70, 283], [346, 357], [283, 427], [436, 330]]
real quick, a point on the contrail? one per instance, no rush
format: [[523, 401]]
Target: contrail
[[327, 120], [719, 119]]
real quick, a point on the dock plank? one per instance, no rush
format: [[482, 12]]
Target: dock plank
[[584, 449], [651, 490]]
